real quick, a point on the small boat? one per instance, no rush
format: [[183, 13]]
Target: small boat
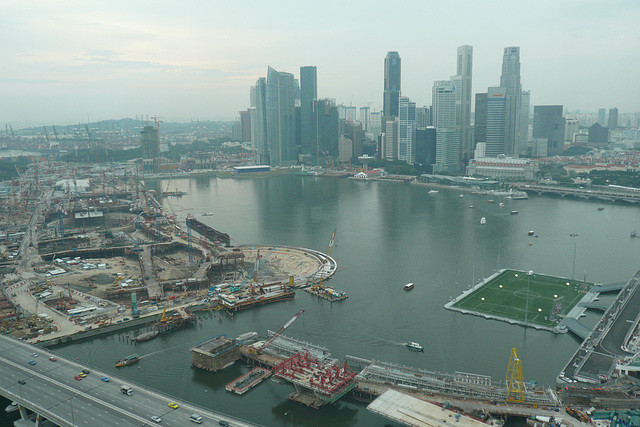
[[501, 205], [207, 214], [408, 286], [600, 208], [127, 360], [461, 195], [483, 221], [514, 212], [13, 407], [491, 201], [471, 206], [573, 234], [432, 191], [414, 346], [531, 233], [530, 244]]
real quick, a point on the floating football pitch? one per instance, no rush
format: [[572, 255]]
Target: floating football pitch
[[524, 297]]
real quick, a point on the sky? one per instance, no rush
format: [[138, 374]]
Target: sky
[[65, 62]]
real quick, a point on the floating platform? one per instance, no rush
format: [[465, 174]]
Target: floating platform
[[249, 380], [329, 294]]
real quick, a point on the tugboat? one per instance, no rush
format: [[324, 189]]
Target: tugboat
[[127, 360], [408, 286], [414, 346]]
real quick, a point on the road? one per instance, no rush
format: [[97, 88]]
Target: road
[[50, 389]]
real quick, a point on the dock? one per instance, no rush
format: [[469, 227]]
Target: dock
[[246, 382]]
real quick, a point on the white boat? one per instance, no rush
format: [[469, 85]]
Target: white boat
[[514, 212], [408, 286], [207, 214], [531, 233], [501, 205], [483, 221], [471, 206], [414, 346], [11, 408], [432, 191], [461, 195]]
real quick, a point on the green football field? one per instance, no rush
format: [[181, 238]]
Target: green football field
[[531, 298]]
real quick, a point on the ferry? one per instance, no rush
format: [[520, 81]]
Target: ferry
[[11, 408], [414, 346], [127, 360], [433, 192], [408, 286], [514, 212]]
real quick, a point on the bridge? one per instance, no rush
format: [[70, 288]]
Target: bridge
[[48, 389], [594, 192]]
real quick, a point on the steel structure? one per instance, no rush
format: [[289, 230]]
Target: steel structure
[[515, 383]]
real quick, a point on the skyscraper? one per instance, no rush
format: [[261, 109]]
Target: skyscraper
[[548, 123], [602, 116], [390, 138], [522, 145], [464, 69], [510, 81], [480, 119], [308, 93], [406, 130], [613, 118], [150, 148], [444, 110], [259, 125], [281, 131], [496, 142], [391, 84], [324, 129]]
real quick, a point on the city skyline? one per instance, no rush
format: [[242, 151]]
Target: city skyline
[[112, 61]]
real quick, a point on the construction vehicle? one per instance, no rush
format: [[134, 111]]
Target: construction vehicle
[[259, 349]]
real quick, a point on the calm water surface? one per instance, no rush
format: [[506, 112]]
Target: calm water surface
[[388, 235]]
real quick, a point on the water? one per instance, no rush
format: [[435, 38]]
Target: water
[[388, 235]]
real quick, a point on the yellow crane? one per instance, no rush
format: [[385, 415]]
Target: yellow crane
[[515, 383], [332, 241]]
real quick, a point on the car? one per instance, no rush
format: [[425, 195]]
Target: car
[[173, 405], [22, 382], [86, 371], [105, 379], [31, 362], [53, 359], [77, 378], [156, 418], [34, 354], [82, 374], [223, 423]]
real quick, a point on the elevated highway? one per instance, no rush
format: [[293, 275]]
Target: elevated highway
[[594, 192], [49, 389]]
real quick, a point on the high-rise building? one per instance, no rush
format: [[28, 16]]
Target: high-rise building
[[549, 123], [613, 118], [281, 131], [245, 124], [480, 119], [406, 130], [523, 134], [365, 118], [464, 70], [390, 138], [259, 126], [375, 125], [324, 131], [308, 93], [426, 141], [496, 122], [510, 81], [602, 116], [572, 127], [423, 117], [391, 84], [150, 148], [444, 109]]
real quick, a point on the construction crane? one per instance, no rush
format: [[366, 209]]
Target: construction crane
[[258, 350], [515, 383], [332, 242]]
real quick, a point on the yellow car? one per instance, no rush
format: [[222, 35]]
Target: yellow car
[[82, 374], [173, 405]]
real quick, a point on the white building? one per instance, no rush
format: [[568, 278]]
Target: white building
[[445, 110], [503, 167], [407, 130]]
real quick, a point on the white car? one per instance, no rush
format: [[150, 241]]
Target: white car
[[34, 354], [156, 418]]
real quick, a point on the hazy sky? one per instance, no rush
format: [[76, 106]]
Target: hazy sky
[[193, 59]]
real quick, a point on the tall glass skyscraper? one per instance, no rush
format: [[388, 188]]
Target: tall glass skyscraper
[[445, 110], [406, 130], [308, 93], [510, 81], [281, 123], [391, 84], [464, 69], [259, 125]]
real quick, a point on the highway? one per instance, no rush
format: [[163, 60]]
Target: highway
[[50, 389]]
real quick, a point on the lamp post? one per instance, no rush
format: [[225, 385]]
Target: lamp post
[[526, 305]]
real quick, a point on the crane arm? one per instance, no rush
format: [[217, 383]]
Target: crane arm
[[281, 330]]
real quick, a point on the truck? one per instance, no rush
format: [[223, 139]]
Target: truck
[[125, 389]]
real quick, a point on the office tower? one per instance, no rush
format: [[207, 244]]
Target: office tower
[[375, 124], [259, 126], [548, 123], [406, 129], [480, 119], [280, 103], [423, 117], [444, 110], [496, 122], [390, 138], [245, 124], [613, 118], [150, 143], [510, 81], [391, 84], [426, 147], [355, 133], [308, 93], [365, 117], [236, 131], [602, 116], [598, 134], [350, 114], [324, 131], [523, 143], [572, 126], [464, 69]]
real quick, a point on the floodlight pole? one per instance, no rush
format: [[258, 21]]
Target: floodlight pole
[[573, 274], [526, 305]]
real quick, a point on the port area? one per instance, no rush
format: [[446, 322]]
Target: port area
[[526, 298], [249, 380]]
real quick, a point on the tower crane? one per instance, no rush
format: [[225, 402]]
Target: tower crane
[[318, 284], [258, 350], [514, 379]]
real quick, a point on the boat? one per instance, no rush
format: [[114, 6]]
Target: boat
[[432, 191], [633, 234], [461, 195], [573, 234], [146, 336], [414, 346], [514, 212], [13, 407], [600, 208], [501, 205], [531, 233], [127, 360], [408, 286], [491, 201], [483, 221], [471, 206]]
